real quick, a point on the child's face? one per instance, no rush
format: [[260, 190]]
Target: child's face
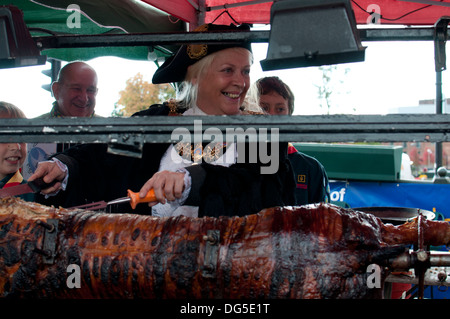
[[12, 157]]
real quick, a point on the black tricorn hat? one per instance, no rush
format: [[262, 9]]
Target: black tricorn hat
[[174, 68]]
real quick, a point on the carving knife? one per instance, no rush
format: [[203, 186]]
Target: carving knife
[[132, 197], [29, 187]]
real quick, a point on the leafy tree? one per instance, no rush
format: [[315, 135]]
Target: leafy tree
[[139, 95], [325, 90], [330, 86]]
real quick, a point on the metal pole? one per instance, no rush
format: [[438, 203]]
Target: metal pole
[[439, 101], [440, 39]]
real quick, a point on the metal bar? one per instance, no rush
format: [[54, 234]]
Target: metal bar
[[410, 259], [397, 34], [422, 257], [439, 104], [236, 5], [163, 129], [439, 36], [179, 38], [439, 259], [147, 39], [430, 278], [193, 4], [201, 15]]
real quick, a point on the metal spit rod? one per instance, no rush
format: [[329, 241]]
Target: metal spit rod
[[410, 259]]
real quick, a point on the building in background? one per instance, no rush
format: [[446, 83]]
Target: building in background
[[423, 154]]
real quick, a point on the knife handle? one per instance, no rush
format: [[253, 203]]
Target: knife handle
[[135, 199], [39, 184]]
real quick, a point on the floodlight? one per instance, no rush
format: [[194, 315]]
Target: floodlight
[[311, 33]]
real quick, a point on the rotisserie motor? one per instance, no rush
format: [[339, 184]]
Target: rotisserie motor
[[315, 251]]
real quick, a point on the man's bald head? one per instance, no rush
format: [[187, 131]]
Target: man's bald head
[[76, 89]]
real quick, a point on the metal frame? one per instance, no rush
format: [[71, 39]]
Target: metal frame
[[159, 129], [178, 38], [133, 132]]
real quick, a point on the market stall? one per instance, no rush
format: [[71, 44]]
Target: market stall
[[199, 259]]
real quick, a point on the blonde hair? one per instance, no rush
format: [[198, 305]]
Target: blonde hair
[[187, 94], [251, 102], [8, 110]]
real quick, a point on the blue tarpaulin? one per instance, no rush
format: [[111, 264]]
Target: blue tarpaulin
[[427, 196]]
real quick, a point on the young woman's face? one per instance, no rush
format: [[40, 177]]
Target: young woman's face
[[222, 88]]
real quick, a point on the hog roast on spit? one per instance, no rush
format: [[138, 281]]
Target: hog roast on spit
[[312, 251]]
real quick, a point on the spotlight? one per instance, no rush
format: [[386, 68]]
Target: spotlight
[[312, 33]]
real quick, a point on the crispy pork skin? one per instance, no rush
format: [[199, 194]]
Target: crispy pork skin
[[313, 251]]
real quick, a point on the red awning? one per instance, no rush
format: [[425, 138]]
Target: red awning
[[399, 12]]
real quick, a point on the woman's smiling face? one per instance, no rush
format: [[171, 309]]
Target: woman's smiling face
[[223, 86]]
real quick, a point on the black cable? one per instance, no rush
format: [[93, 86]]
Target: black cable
[[393, 19], [406, 14], [226, 11]]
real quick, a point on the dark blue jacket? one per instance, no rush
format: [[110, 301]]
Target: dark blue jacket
[[311, 179]]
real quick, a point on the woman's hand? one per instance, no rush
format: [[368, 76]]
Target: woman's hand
[[167, 186]]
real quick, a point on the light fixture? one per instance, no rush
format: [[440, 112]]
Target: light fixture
[[440, 39], [17, 48], [311, 33]]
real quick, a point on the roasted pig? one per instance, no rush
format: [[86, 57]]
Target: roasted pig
[[313, 251]]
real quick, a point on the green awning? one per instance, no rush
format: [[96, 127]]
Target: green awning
[[47, 17]]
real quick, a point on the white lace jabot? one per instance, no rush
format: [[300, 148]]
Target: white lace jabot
[[172, 161]]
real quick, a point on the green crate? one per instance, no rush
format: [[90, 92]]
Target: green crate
[[355, 161]]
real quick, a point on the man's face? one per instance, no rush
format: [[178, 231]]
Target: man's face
[[77, 92]]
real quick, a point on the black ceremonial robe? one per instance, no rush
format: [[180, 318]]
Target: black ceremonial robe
[[241, 189]]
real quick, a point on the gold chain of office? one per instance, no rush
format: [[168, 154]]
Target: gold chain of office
[[209, 153]]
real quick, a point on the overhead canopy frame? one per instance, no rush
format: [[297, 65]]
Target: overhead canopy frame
[[193, 12]]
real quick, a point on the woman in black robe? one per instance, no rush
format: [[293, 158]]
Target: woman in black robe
[[215, 82]]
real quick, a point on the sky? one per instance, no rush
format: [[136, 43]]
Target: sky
[[394, 74]]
